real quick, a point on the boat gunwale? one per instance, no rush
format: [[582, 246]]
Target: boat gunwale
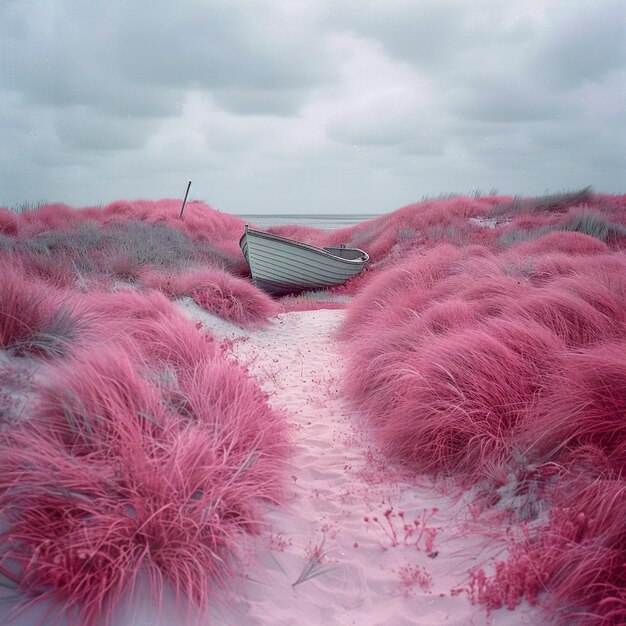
[[300, 244]]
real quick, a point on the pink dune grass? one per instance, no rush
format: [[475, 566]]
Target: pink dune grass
[[47, 217], [566, 242], [390, 237], [449, 402], [55, 271], [147, 454], [422, 280], [56, 230], [510, 335], [578, 554], [8, 222], [34, 319], [172, 342], [468, 352], [584, 405], [497, 360], [410, 279], [112, 478], [24, 308], [125, 307], [147, 324], [387, 239], [567, 315], [200, 222], [217, 292]]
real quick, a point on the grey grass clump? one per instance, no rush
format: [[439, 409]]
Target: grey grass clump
[[7, 243], [157, 244], [16, 384], [585, 222], [27, 207], [594, 225], [513, 237], [52, 339], [407, 234], [121, 248], [452, 233], [552, 202]]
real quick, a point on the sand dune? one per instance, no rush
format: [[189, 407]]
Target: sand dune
[[464, 351]]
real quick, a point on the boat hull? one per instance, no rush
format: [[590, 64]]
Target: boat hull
[[281, 266]]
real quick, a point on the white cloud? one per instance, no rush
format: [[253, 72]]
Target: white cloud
[[379, 101], [309, 105]]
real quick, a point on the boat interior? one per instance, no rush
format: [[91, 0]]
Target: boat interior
[[352, 254]]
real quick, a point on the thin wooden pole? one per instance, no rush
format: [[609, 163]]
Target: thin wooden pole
[[182, 208]]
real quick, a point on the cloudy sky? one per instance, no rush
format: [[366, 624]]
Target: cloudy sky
[[309, 106]]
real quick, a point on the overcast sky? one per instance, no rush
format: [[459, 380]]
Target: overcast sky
[[309, 106]]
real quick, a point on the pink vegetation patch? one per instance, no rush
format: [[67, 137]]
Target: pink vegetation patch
[[450, 402], [565, 242], [217, 292], [385, 297], [34, 320], [578, 554], [145, 453], [47, 217], [450, 352], [8, 222], [497, 367], [584, 408], [486, 341]]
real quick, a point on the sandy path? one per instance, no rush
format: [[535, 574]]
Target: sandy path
[[356, 542]]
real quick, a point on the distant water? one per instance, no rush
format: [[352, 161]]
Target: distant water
[[329, 222]]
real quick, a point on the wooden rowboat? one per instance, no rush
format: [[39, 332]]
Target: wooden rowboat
[[280, 266]]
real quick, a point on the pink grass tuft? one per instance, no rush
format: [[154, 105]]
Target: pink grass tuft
[[147, 456], [449, 402], [226, 296], [34, 319], [565, 242], [8, 223], [567, 315], [578, 555], [47, 217], [584, 405], [406, 282]]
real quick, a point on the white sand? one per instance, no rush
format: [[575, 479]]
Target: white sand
[[365, 576]]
